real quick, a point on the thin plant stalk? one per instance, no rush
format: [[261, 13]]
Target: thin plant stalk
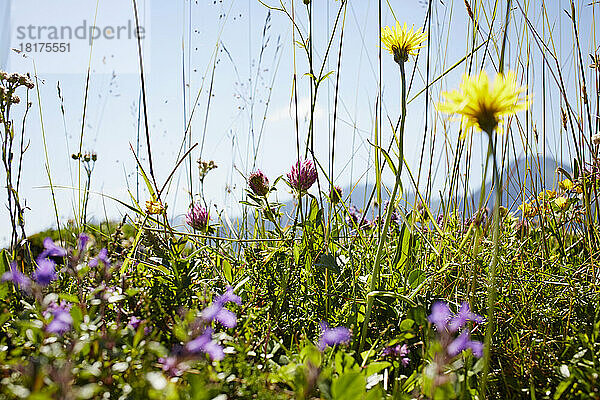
[[388, 215], [492, 268]]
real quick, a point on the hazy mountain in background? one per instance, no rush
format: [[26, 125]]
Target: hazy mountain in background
[[527, 177]]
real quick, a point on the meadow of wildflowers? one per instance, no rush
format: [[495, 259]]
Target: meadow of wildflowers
[[471, 297]]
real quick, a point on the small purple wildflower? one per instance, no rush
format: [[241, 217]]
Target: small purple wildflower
[[440, 315], [302, 176], [82, 242], [171, 366], [398, 351], [464, 315], [447, 325], [197, 217], [333, 336], [45, 272], [205, 344], [134, 322], [259, 183], [102, 256], [54, 306], [61, 322], [217, 311], [464, 342], [52, 250], [440, 220], [17, 277]]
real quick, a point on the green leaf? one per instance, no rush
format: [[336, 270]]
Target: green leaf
[[325, 76], [227, 271], [375, 394], [311, 354], [416, 277], [328, 261], [345, 363], [349, 386], [387, 157], [406, 324], [376, 367]]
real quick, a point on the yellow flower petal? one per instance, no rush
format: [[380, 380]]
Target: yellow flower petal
[[482, 104]]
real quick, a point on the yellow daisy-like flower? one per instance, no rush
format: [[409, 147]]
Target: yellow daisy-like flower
[[484, 105], [567, 184], [401, 41], [527, 209], [546, 194], [154, 207], [561, 202]]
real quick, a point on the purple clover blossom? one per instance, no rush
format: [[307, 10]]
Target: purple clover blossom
[[52, 250], [353, 216], [45, 272], [302, 176], [102, 256], [205, 344], [335, 195], [398, 351], [333, 336], [197, 217], [62, 322], [17, 277], [259, 183], [217, 311], [440, 220]]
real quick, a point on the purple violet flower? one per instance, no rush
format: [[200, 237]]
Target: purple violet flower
[[102, 256], [45, 272], [54, 306], [17, 277], [52, 250], [333, 336], [302, 176], [197, 217], [205, 344], [259, 183], [447, 324]]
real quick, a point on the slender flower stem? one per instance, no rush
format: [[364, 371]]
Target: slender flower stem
[[492, 269], [388, 215]]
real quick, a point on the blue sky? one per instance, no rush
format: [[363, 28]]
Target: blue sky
[[183, 37]]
